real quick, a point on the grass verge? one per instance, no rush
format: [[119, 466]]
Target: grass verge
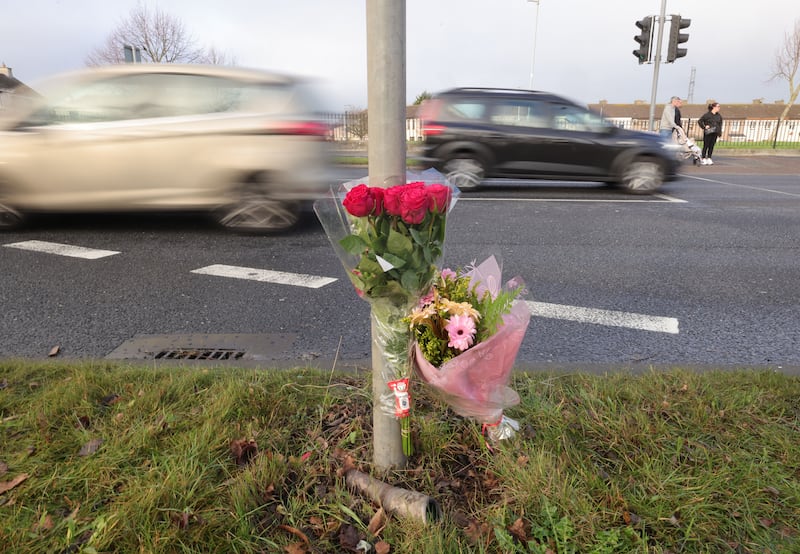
[[103, 457]]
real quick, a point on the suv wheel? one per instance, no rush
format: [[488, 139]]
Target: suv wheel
[[642, 176], [465, 172]]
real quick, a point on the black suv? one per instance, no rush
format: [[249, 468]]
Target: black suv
[[473, 133]]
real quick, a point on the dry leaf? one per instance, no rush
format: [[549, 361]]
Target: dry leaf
[[8, 485], [519, 530], [43, 524], [348, 537], [243, 451], [479, 532], [296, 532], [296, 548], [181, 520], [54, 351], [631, 518], [377, 523], [382, 547], [111, 399], [90, 447]]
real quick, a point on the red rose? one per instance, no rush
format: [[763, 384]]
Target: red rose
[[439, 198], [359, 201], [414, 206], [392, 199], [377, 194]]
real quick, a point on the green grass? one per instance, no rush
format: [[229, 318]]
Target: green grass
[[762, 145], [659, 462], [363, 160]]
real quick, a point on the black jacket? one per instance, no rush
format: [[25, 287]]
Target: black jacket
[[709, 119]]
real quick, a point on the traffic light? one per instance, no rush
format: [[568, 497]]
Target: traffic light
[[644, 39], [676, 38]]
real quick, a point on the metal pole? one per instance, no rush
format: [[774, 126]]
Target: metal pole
[[661, 22], [535, 33], [386, 149]]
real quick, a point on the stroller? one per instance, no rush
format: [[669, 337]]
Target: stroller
[[689, 147]]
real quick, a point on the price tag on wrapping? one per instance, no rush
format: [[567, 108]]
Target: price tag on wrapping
[[402, 397]]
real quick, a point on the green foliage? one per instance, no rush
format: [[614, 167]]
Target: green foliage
[[651, 463], [412, 250], [421, 97]]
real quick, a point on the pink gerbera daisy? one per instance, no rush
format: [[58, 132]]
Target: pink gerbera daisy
[[461, 332]]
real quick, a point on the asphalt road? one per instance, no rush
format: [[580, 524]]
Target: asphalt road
[[704, 275]]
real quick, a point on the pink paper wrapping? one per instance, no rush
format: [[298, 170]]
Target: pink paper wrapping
[[475, 383]]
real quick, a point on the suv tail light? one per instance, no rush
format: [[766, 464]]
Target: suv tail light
[[430, 130], [427, 114]]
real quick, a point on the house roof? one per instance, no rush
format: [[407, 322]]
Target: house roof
[[641, 110], [10, 83]]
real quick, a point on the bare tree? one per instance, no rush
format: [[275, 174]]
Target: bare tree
[[161, 37], [787, 62]]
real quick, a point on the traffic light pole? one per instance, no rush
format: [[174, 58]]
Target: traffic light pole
[[657, 64]]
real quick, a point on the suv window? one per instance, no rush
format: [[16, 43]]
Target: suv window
[[464, 109], [575, 118], [522, 113]]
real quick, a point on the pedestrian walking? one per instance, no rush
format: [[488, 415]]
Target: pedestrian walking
[[711, 124], [668, 122]]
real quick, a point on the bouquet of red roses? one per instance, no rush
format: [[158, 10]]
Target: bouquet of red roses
[[391, 242]]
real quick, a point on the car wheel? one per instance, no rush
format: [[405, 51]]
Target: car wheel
[[642, 176], [10, 218], [255, 212], [465, 172]]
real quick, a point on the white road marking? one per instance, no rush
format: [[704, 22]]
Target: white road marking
[[751, 187], [265, 276], [662, 198], [538, 309], [605, 317], [62, 249]]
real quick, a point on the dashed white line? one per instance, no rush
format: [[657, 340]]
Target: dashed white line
[[62, 249], [751, 187], [605, 317], [662, 198], [539, 309], [265, 276]]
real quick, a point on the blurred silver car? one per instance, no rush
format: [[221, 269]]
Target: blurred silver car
[[246, 146]]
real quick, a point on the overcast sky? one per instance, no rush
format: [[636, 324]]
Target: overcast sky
[[583, 48]]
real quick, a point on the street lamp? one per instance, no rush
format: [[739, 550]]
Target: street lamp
[[535, 32]]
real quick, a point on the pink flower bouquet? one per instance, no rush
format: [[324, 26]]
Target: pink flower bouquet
[[467, 333]]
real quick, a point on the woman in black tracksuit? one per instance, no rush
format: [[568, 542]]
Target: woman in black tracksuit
[[711, 123]]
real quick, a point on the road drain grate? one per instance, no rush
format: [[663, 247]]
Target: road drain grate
[[200, 354]]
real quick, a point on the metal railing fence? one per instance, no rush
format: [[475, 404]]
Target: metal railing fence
[[353, 126]]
